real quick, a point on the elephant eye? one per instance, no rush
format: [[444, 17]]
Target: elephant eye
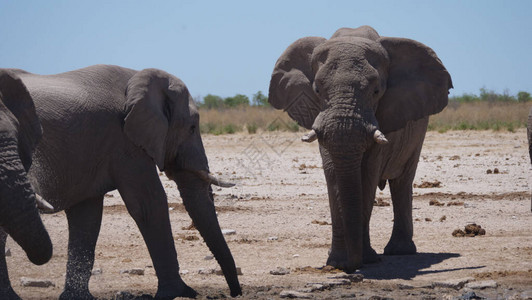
[[316, 89], [192, 129], [376, 92]]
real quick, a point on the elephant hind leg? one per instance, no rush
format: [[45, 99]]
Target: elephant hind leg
[[84, 221]]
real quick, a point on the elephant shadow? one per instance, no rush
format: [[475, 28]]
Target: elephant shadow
[[409, 266]]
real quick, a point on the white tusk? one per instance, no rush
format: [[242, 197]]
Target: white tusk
[[309, 137], [379, 137], [43, 205], [220, 183], [206, 176]]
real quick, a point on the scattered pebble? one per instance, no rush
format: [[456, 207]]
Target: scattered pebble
[[96, 271], [295, 255], [183, 272], [134, 271], [203, 271], [228, 231], [380, 202], [208, 257], [350, 277], [435, 202], [280, 271], [320, 222], [443, 218], [453, 283], [273, 238], [220, 272], [428, 184], [32, 282], [294, 295], [480, 285], [8, 252]]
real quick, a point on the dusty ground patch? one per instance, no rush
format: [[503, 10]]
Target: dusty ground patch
[[279, 210]]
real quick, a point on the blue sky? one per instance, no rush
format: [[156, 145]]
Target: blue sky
[[229, 47]]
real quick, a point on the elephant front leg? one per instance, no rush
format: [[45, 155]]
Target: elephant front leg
[[146, 202], [84, 220], [6, 291]]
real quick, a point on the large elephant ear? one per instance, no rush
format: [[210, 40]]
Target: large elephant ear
[[418, 84], [151, 97], [18, 100], [291, 82]]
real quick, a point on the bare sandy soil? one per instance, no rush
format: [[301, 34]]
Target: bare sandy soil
[[279, 210]]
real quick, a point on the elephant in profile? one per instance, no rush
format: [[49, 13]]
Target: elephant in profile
[[367, 100], [20, 132], [106, 128]]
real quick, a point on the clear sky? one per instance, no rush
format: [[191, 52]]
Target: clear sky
[[228, 47]]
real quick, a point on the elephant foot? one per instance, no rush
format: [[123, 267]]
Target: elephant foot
[[236, 292], [339, 260], [370, 256], [72, 294], [403, 247], [9, 294], [171, 292]]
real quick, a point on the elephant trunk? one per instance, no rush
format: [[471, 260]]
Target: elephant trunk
[[348, 175], [195, 193], [18, 211]]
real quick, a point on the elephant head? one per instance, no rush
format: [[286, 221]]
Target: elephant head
[[350, 91], [20, 131], [162, 119]]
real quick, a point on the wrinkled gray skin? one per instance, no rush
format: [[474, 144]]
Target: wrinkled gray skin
[[19, 133], [529, 135], [108, 127], [345, 89]]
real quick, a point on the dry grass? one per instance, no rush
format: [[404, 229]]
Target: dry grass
[[481, 116], [249, 119], [456, 116]]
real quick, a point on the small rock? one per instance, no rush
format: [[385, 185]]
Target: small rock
[[315, 287], [8, 251], [469, 296], [338, 282], [479, 285], [135, 271], [350, 277], [36, 282], [295, 255], [273, 238], [206, 271], [228, 231], [280, 271], [220, 272], [183, 272], [294, 294], [208, 257], [96, 271], [453, 283]]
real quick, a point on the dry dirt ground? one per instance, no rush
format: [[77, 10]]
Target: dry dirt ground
[[279, 210]]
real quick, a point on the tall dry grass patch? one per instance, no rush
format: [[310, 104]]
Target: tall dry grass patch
[[481, 116], [248, 119], [456, 116]]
